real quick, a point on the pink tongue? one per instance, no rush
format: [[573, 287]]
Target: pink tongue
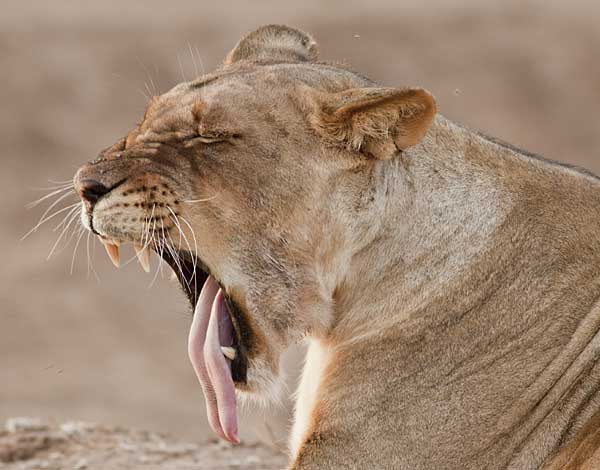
[[211, 329]]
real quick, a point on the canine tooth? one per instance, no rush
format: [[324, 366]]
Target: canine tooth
[[228, 352], [143, 255], [112, 248]]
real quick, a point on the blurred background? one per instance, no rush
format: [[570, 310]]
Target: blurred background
[[109, 346]]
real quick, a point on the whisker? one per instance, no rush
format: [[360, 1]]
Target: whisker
[[42, 221], [81, 233], [163, 243], [37, 202], [193, 59], [90, 265], [69, 182], [65, 218], [177, 262], [51, 188], [192, 232], [94, 251], [147, 97], [149, 75], [181, 233], [174, 255], [88, 254], [195, 262], [62, 197], [159, 251], [72, 218], [181, 68], [148, 89], [150, 217], [191, 201], [74, 232], [193, 252], [200, 59]]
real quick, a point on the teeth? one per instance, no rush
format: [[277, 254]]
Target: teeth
[[143, 255], [228, 352], [112, 248]]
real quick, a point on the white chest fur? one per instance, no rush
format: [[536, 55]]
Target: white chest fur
[[317, 358]]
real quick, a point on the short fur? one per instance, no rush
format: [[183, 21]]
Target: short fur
[[450, 285]]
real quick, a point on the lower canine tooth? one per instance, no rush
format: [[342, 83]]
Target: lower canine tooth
[[228, 352], [143, 255], [113, 252]]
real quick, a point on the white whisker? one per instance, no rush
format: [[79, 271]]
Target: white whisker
[[72, 217], [81, 233], [177, 262], [191, 201], [68, 182], [193, 60], [65, 218], [200, 59], [149, 75], [74, 232], [145, 95], [90, 265], [194, 251], [44, 220], [37, 202], [158, 243], [195, 262], [181, 68]]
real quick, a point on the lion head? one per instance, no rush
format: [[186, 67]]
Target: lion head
[[250, 183]]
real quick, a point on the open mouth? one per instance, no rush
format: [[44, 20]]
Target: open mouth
[[215, 346], [219, 335], [193, 275]]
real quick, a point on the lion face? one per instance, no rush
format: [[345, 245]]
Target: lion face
[[246, 182]]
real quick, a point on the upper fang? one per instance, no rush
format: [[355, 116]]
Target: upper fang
[[112, 248], [143, 255]]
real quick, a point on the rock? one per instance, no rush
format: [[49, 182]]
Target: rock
[[25, 424], [29, 443]]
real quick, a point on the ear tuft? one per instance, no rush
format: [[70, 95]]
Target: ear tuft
[[375, 121], [274, 43]]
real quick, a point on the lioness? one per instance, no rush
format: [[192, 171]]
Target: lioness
[[447, 283]]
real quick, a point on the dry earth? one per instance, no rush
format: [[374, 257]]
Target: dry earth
[[31, 444]]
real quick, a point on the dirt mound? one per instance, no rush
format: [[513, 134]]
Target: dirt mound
[[30, 444]]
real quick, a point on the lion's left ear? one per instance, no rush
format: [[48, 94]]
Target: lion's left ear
[[375, 121], [274, 43]]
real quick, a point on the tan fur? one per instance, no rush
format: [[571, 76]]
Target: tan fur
[[583, 453], [453, 282]]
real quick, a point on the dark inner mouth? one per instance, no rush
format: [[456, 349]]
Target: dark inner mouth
[[192, 273]]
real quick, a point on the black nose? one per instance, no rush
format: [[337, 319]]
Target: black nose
[[91, 190]]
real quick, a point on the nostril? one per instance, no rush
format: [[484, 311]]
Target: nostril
[[91, 190]]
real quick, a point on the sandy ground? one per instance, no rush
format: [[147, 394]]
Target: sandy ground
[[109, 346]]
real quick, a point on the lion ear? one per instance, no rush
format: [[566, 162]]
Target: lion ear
[[274, 43], [375, 121]]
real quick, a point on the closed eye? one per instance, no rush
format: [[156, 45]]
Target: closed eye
[[205, 139], [193, 139]]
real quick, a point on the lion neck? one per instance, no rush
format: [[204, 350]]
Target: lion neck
[[433, 214], [452, 293]]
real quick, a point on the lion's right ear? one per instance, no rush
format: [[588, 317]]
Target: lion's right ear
[[274, 43], [375, 121]]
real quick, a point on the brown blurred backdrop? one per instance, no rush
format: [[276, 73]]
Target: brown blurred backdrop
[[72, 80]]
